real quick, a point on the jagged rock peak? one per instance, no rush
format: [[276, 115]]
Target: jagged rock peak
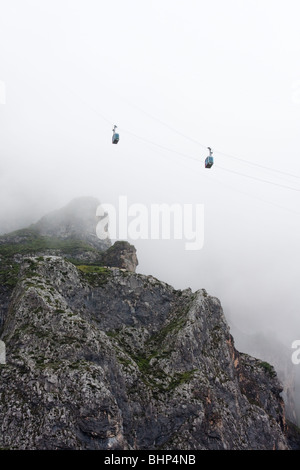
[[76, 220]]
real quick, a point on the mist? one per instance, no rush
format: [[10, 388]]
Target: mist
[[175, 77]]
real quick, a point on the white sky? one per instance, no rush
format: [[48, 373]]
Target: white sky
[[225, 74]]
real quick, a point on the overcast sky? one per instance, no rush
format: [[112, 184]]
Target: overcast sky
[[175, 77]]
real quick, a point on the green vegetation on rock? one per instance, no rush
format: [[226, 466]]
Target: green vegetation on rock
[[9, 272], [29, 241], [96, 276], [268, 368]]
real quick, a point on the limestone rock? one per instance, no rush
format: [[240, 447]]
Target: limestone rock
[[120, 255], [111, 359], [69, 232], [2, 353], [100, 357]]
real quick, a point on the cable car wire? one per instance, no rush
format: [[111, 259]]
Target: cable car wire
[[167, 125], [259, 179], [218, 166], [195, 158], [205, 147], [159, 145], [257, 164], [214, 179]]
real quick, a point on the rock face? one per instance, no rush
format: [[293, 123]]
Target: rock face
[[270, 349], [100, 357], [121, 255], [69, 232], [104, 358], [2, 353]]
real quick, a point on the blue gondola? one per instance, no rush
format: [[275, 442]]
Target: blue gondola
[[209, 161], [115, 137]]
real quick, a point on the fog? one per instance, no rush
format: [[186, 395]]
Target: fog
[[175, 77]]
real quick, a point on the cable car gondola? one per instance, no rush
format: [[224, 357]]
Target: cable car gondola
[[209, 161], [115, 137]]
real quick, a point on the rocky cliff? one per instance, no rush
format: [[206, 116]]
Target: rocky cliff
[[100, 357], [268, 348], [69, 232]]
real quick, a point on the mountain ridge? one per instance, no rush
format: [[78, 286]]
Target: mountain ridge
[[100, 357]]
